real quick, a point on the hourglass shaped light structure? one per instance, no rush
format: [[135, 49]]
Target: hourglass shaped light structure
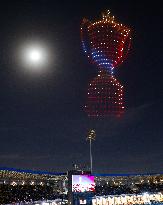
[[106, 43]]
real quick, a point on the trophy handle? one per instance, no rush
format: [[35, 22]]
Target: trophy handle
[[127, 48], [84, 37]]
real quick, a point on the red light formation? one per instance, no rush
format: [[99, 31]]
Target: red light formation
[[106, 44], [105, 96]]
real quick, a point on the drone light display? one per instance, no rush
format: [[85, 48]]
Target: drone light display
[[106, 44]]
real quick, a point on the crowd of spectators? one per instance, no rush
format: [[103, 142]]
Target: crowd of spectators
[[26, 193], [107, 189]]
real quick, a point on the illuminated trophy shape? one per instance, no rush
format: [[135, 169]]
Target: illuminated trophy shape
[[106, 44]]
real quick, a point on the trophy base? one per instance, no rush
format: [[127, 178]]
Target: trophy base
[[105, 96]]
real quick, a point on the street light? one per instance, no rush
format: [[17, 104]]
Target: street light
[[91, 136]]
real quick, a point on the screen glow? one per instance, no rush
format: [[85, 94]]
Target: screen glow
[[83, 183]]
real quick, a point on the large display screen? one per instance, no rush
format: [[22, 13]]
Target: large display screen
[[83, 183]]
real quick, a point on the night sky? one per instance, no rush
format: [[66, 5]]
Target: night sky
[[42, 122]]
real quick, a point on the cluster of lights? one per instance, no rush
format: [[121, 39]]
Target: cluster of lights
[[135, 179], [15, 176], [105, 96], [15, 183], [144, 198], [22, 175], [106, 44]]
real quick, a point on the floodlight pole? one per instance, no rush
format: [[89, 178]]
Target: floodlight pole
[[91, 136], [90, 149]]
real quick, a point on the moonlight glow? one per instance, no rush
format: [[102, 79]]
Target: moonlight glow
[[35, 56]]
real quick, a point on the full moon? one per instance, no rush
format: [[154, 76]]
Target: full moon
[[35, 57]]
